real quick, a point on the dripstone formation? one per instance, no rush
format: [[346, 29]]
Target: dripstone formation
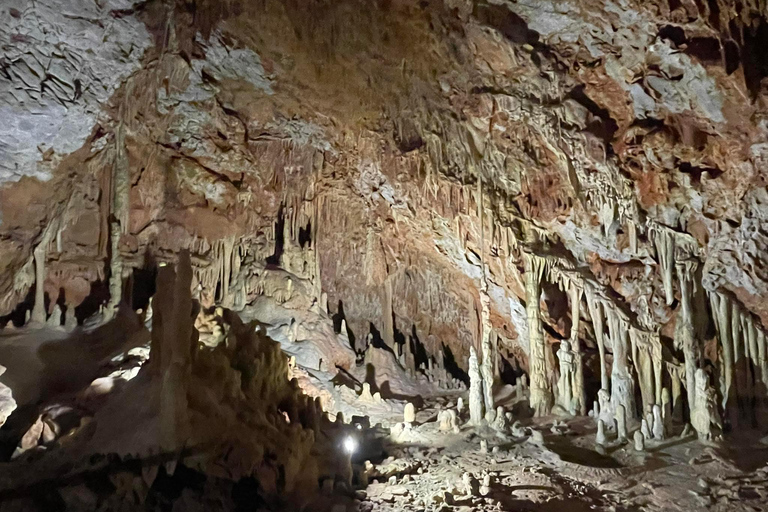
[[242, 243]]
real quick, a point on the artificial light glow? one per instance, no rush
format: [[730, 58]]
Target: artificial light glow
[[350, 445]]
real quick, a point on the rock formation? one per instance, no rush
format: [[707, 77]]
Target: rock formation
[[405, 198], [476, 403]]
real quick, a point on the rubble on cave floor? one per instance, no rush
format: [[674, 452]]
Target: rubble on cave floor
[[551, 464]]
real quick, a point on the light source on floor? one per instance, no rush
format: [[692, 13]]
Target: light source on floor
[[350, 445]]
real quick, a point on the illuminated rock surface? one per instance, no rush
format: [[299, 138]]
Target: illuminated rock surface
[[224, 224]]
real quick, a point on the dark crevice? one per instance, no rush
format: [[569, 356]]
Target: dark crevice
[[603, 126], [697, 172], [505, 21], [755, 55], [279, 241]]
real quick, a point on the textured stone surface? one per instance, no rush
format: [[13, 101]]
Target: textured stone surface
[[380, 155]]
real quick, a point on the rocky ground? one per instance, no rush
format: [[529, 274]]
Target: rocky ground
[[540, 468]]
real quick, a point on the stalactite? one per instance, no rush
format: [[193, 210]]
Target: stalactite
[[541, 399], [738, 351], [664, 241], [721, 311]]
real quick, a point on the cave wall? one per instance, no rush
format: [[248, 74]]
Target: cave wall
[[404, 144]]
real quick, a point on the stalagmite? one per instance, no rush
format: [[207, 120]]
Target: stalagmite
[[448, 420], [500, 420], [565, 384], [70, 320], [174, 340], [38, 310], [666, 407], [55, 319], [622, 383], [475, 390], [541, 399], [704, 414], [409, 413], [621, 423], [460, 405], [639, 441], [664, 240], [486, 368], [658, 424], [644, 429], [600, 436]]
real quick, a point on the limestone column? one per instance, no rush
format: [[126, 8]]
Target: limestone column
[[115, 273], [487, 365], [685, 332], [578, 376], [40, 253], [121, 179], [622, 383], [721, 313], [541, 398], [475, 389], [39, 314]]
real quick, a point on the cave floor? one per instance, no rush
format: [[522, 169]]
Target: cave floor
[[425, 469]]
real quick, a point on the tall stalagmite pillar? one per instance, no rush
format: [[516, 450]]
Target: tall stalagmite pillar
[[686, 332], [578, 376], [39, 313], [541, 398], [115, 273], [622, 383], [475, 389], [486, 368]]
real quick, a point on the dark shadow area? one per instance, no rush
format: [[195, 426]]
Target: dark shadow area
[[279, 237], [512, 26], [143, 287], [452, 367], [754, 55], [603, 126], [510, 371], [305, 235], [420, 355], [99, 295], [583, 456], [19, 314]]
